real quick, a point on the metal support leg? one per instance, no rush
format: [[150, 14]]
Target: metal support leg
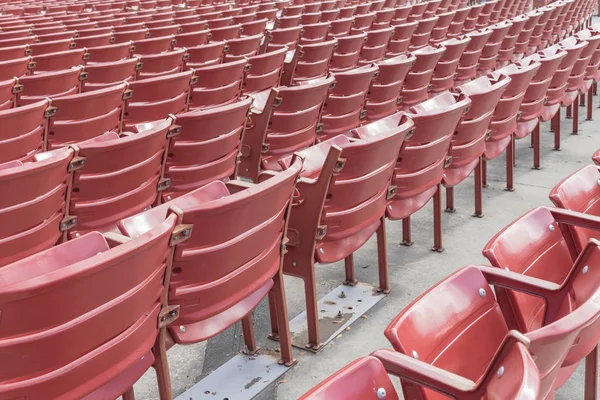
[[382, 261], [312, 313], [591, 375], [478, 190], [575, 115], [535, 135], [129, 394], [510, 166], [349, 264], [484, 183], [589, 103], [280, 306], [450, 200], [437, 220], [556, 120], [249, 336], [406, 240]]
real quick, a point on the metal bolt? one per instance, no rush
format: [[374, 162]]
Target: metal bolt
[[381, 393], [551, 227], [168, 198], [182, 328], [482, 292], [598, 182], [173, 313], [294, 263], [415, 355], [500, 372], [390, 207], [506, 268], [585, 269], [321, 251], [185, 232], [77, 235]]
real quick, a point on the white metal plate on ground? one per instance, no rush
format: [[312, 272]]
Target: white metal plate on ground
[[337, 310], [240, 378]]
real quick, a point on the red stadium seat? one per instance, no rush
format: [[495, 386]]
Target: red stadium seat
[[238, 48], [467, 66], [278, 38], [283, 120], [400, 41], [264, 72], [111, 332], [58, 83], [346, 55], [113, 52], [221, 295], [218, 84], [468, 143], [368, 377], [375, 46], [58, 61], [445, 70], [205, 54], [417, 85], [206, 147], [345, 194], [103, 75], [166, 63], [310, 61], [422, 162]]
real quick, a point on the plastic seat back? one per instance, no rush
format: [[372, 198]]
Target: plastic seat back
[[113, 52], [155, 98], [418, 81], [49, 84], [33, 207], [152, 45], [218, 84], [83, 116], [310, 61], [153, 65], [242, 47], [421, 35], [247, 247], [375, 46], [121, 177], [58, 61], [106, 74], [421, 163], [16, 67], [467, 66], [579, 192], [468, 143], [278, 38], [384, 98], [264, 72], [347, 54], [314, 32], [445, 71], [345, 103], [206, 148], [110, 324]]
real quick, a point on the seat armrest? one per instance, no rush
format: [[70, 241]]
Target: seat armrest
[[575, 218]]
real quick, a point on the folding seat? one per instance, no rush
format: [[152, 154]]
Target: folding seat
[[483, 19], [400, 40], [526, 34], [383, 18], [310, 61], [314, 33], [417, 84], [83, 116], [470, 23], [92, 41], [450, 331], [416, 11], [368, 377], [283, 121], [232, 12], [533, 103], [278, 38], [161, 23], [224, 293], [509, 41], [23, 132], [422, 33], [192, 39], [269, 15], [218, 22], [467, 66], [103, 75], [225, 33], [217, 84], [254, 27], [50, 47], [340, 27], [113, 52], [310, 18], [242, 47], [445, 70], [468, 144], [330, 15], [504, 121], [363, 8], [422, 162], [543, 249], [383, 97], [153, 65], [362, 23], [127, 36], [15, 34], [489, 54], [347, 12], [187, 19], [264, 71], [153, 45], [163, 31], [58, 61], [375, 47], [345, 105], [341, 222], [499, 8], [205, 54], [287, 21], [45, 33], [16, 67], [120, 177], [558, 86], [198, 26], [33, 207], [440, 30], [52, 37], [155, 98], [548, 36], [56, 83], [347, 53], [206, 147], [575, 83], [562, 21], [29, 40], [536, 41]]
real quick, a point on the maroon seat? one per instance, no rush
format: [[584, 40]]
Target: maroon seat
[[106, 74], [344, 196], [400, 41], [219, 294], [346, 55], [445, 70], [417, 85], [422, 162], [218, 84], [264, 72], [375, 47], [467, 66], [468, 144], [310, 61]]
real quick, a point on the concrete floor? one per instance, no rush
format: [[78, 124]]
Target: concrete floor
[[412, 270]]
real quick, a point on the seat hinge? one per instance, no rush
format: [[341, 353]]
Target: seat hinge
[[447, 161], [391, 192], [339, 164], [321, 232], [163, 184], [167, 315], [68, 222], [76, 163], [181, 233]]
